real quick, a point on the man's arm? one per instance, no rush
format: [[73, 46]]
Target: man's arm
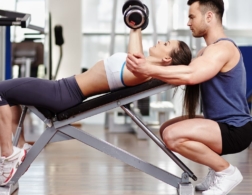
[[199, 70]]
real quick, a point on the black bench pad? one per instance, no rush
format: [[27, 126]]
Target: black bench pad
[[102, 100]]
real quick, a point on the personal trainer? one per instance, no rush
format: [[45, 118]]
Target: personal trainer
[[219, 72]]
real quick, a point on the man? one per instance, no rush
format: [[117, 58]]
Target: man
[[226, 126]]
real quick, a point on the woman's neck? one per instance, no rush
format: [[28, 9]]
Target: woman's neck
[[154, 60]]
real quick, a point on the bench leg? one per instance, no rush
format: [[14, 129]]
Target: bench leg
[[19, 127]]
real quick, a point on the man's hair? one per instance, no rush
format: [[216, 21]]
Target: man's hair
[[217, 6]]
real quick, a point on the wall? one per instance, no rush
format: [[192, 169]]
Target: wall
[[68, 15]]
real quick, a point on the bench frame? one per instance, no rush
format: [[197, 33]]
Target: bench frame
[[60, 130]]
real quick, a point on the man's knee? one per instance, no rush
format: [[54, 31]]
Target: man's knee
[[163, 127], [169, 138], [161, 130], [170, 122]]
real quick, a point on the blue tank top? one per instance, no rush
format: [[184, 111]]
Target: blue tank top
[[224, 96]]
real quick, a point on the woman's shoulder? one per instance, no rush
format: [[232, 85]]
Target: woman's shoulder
[[116, 58], [119, 55]]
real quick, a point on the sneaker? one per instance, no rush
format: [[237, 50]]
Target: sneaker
[[224, 183], [206, 183], [10, 164], [27, 147]]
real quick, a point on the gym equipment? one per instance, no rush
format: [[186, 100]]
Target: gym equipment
[[26, 57], [135, 14], [59, 128], [7, 19], [246, 53], [59, 40], [14, 19]]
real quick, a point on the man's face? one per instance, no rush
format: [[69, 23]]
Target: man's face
[[196, 21]]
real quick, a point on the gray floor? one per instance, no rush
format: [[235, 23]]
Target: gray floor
[[71, 167]]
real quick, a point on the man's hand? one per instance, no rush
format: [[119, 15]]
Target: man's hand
[[137, 64]]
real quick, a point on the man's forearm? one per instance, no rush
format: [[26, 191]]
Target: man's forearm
[[135, 41], [175, 75]]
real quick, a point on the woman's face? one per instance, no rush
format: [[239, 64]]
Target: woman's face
[[163, 49]]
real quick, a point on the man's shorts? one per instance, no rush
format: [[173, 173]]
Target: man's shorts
[[235, 139]]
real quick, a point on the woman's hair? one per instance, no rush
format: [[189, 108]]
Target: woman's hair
[[179, 56]]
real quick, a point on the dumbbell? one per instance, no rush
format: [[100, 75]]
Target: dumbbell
[[136, 14]]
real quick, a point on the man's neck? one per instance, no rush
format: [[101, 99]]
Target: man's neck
[[214, 34]]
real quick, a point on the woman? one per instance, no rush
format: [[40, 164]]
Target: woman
[[106, 75]]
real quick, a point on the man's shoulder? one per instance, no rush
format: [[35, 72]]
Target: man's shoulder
[[221, 47]]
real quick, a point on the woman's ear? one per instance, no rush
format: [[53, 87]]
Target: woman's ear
[[167, 60]]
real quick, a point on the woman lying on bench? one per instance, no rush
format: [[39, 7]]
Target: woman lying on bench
[[106, 75]]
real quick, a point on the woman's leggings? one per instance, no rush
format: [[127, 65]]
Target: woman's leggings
[[55, 96]]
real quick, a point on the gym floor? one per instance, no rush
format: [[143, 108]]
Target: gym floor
[[70, 167]]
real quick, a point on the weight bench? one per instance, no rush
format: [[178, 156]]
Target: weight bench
[[59, 128]]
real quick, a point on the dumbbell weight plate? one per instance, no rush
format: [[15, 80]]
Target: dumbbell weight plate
[[145, 24], [135, 17], [129, 3], [146, 10]]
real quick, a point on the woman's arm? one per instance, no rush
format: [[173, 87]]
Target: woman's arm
[[135, 41], [134, 46], [91, 85]]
